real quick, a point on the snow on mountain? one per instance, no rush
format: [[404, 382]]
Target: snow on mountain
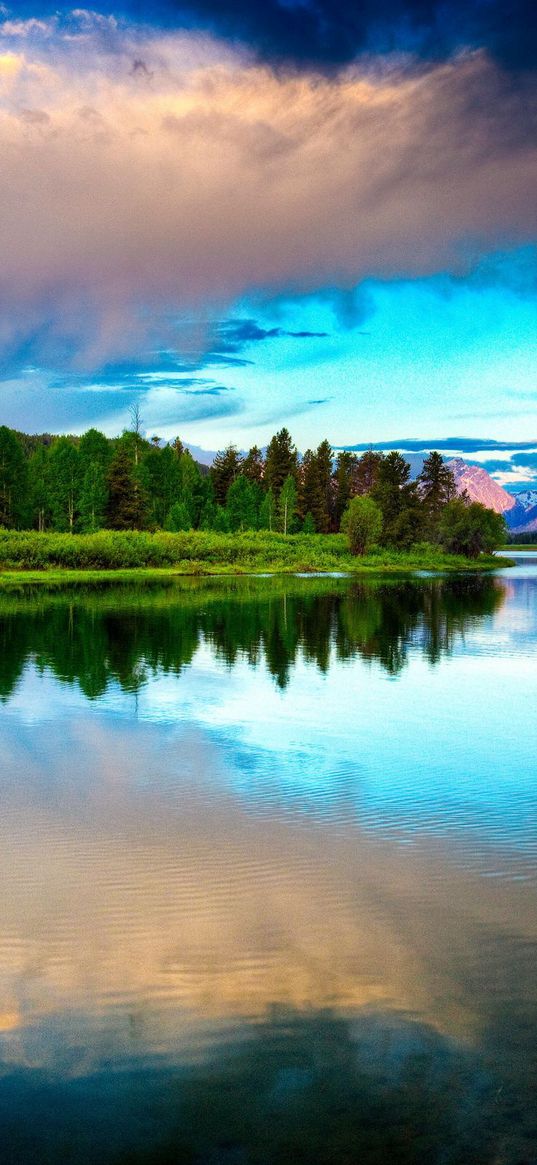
[[527, 498], [480, 486]]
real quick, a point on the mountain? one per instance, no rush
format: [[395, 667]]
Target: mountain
[[527, 498], [521, 520], [480, 486]]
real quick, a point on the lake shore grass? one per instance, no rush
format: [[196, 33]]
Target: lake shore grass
[[28, 556]]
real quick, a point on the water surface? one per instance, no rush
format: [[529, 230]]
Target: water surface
[[268, 855]]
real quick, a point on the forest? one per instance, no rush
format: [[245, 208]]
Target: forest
[[85, 484]]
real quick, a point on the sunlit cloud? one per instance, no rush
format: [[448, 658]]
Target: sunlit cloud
[[146, 176]]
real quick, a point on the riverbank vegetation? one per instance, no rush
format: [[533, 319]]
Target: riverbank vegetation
[[206, 552], [99, 503]]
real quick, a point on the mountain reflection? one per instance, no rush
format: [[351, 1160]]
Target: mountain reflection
[[95, 637]]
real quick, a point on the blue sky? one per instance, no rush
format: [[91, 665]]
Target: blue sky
[[245, 216]]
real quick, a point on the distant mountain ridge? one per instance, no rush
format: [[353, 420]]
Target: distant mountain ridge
[[480, 486], [518, 509]]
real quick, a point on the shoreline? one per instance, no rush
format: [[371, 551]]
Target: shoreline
[[29, 557], [60, 576]]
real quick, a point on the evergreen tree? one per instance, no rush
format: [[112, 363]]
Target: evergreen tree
[[324, 460], [437, 487], [344, 485], [93, 498], [64, 483], [367, 472], [311, 494], [191, 490], [398, 499], [281, 461], [287, 504], [253, 466], [308, 526], [13, 480], [225, 468], [126, 509]]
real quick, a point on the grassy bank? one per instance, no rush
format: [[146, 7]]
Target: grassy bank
[[58, 556]]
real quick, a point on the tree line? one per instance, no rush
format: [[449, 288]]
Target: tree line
[[84, 484]]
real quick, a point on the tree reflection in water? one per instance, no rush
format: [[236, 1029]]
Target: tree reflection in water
[[105, 635]]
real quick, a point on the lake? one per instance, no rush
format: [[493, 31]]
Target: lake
[[268, 850]]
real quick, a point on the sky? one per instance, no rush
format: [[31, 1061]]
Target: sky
[[310, 213]]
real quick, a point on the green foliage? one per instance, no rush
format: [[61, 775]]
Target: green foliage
[[242, 504], [366, 473], [225, 468], [281, 461], [13, 480], [39, 487], [64, 483], [93, 498], [128, 483], [126, 501], [287, 504], [178, 518], [267, 512], [437, 487], [362, 523], [211, 551], [470, 529], [253, 465], [398, 499]]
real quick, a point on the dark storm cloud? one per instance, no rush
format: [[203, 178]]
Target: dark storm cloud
[[233, 334], [328, 34], [456, 444]]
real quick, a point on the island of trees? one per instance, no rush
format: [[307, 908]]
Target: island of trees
[[82, 485]]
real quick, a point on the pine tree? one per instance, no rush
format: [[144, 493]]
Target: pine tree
[[225, 468], [437, 487], [253, 466], [398, 499], [281, 461], [126, 509], [13, 480], [311, 494], [344, 483], [367, 472], [308, 526]]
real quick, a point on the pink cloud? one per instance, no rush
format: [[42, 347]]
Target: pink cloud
[[134, 196]]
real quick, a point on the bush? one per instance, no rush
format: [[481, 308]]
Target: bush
[[470, 529], [362, 523]]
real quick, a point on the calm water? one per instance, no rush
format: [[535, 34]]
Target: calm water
[[268, 852]]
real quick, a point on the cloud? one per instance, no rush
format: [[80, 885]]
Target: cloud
[[133, 199], [327, 34], [452, 444], [232, 335]]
